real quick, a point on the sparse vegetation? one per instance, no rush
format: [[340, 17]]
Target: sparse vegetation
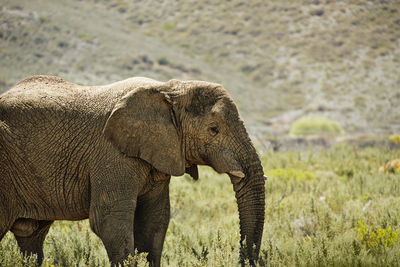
[[322, 221]]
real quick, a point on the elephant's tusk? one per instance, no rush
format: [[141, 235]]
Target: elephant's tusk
[[265, 177], [238, 174]]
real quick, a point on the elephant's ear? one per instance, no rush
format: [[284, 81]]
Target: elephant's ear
[[143, 124]]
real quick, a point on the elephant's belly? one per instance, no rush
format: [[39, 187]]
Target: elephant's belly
[[62, 200], [56, 211], [73, 212]]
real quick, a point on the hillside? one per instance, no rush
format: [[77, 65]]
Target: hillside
[[280, 60]]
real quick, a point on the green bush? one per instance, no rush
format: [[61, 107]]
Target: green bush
[[395, 139], [374, 239], [163, 61], [315, 126]]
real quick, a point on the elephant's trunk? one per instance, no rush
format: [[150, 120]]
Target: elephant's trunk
[[250, 195]]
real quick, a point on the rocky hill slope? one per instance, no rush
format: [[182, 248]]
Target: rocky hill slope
[[280, 60]]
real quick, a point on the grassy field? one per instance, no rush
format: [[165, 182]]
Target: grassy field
[[323, 208]]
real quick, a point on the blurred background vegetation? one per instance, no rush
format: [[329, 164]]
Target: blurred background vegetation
[[306, 74]]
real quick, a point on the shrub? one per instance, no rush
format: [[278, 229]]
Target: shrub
[[395, 139], [315, 126], [374, 239], [392, 166], [139, 259], [163, 61], [43, 19]]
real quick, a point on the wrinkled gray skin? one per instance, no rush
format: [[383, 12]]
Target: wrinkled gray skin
[[70, 152]]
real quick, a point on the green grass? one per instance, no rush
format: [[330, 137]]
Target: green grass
[[309, 221]]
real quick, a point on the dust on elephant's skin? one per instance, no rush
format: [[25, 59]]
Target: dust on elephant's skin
[[107, 153]]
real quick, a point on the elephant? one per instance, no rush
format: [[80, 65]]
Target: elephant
[[107, 153]]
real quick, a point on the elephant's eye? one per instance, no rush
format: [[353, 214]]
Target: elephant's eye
[[214, 130]]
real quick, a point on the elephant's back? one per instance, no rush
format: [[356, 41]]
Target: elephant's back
[[42, 108], [51, 92], [38, 91], [50, 97], [43, 79]]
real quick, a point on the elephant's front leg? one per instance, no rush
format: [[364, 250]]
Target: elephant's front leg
[[114, 225], [112, 210], [151, 221]]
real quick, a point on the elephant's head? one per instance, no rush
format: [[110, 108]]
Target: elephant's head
[[178, 125]]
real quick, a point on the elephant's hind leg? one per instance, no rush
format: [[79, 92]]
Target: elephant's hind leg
[[30, 235], [3, 231], [151, 222], [5, 222]]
